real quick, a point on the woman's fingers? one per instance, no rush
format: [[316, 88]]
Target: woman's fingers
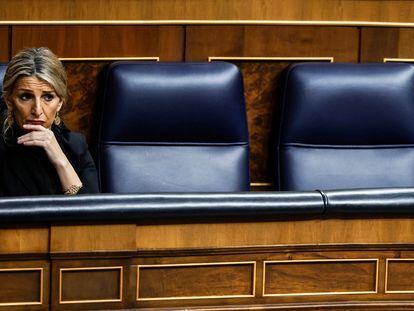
[[44, 138], [35, 135], [34, 127], [39, 136], [38, 143]]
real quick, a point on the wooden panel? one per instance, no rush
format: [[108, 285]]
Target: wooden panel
[[377, 44], [299, 41], [355, 280], [24, 284], [320, 277], [326, 231], [400, 276], [92, 238], [351, 10], [81, 112], [21, 286], [101, 284], [220, 280], [24, 240], [262, 79], [4, 44], [103, 41]]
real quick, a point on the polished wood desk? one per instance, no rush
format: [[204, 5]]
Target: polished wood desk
[[217, 263]]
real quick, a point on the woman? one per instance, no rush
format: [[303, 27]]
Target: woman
[[38, 154]]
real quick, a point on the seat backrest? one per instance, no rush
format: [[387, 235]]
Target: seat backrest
[[347, 126], [173, 127], [3, 68]]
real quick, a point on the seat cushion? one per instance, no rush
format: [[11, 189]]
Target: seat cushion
[[173, 127], [347, 126]]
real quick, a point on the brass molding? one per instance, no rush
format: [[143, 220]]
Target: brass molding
[[322, 261], [253, 294], [386, 290], [276, 58], [91, 59], [398, 60], [211, 22], [261, 184], [120, 268], [29, 303]]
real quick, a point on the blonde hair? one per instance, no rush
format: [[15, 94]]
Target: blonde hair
[[40, 63], [37, 62]]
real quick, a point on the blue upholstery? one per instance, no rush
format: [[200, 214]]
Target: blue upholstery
[[171, 127], [3, 68], [347, 126]]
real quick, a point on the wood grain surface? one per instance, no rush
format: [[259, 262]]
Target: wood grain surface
[[287, 278], [82, 238], [24, 240], [20, 286], [165, 42], [4, 44], [342, 10], [377, 44], [89, 285], [400, 276], [82, 111], [196, 281], [272, 41], [320, 231]]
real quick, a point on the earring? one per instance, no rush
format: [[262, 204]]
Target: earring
[[57, 120]]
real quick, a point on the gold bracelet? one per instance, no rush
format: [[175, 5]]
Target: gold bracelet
[[74, 189]]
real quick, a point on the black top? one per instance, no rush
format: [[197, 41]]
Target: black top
[[27, 170]]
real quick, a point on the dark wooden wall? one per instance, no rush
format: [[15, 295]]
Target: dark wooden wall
[[262, 52], [314, 10]]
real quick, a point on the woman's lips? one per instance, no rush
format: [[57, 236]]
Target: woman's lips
[[35, 122]]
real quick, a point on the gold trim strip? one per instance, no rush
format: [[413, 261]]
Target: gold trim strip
[[322, 293], [387, 260], [261, 184], [253, 294], [30, 303], [396, 60], [120, 268], [276, 58], [74, 59], [211, 22]]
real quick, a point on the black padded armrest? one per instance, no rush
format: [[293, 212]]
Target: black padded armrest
[[136, 207], [371, 202]]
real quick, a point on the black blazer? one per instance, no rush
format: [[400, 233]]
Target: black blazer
[[27, 170]]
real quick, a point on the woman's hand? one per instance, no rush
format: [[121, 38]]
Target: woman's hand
[[42, 137], [45, 138]]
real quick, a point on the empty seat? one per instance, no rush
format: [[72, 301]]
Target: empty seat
[[347, 126], [173, 127]]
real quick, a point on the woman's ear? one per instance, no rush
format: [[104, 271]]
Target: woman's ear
[[60, 105]]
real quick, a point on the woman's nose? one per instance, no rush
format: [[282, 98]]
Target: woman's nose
[[37, 107]]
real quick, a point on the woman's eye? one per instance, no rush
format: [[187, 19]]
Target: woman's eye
[[48, 97], [25, 96]]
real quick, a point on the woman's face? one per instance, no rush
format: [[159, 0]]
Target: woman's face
[[34, 101]]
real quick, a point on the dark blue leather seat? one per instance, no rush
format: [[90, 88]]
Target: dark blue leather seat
[[173, 127], [347, 126], [3, 68]]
